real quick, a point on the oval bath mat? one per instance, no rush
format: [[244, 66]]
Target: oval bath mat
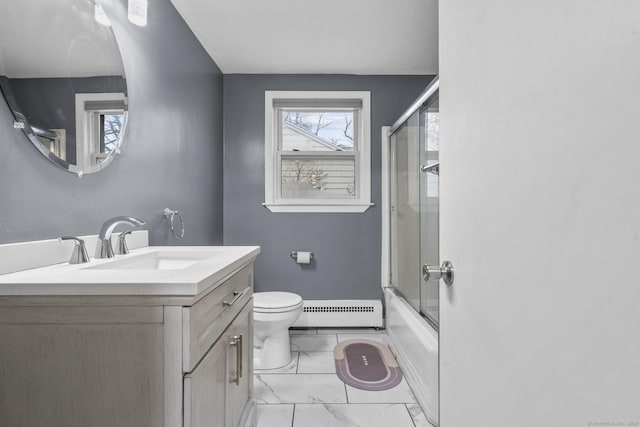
[[366, 364]]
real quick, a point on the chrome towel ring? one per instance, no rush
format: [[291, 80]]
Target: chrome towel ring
[[171, 215]]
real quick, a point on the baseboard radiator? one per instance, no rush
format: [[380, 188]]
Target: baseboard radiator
[[340, 313]]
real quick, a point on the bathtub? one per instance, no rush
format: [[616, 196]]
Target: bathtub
[[415, 344]]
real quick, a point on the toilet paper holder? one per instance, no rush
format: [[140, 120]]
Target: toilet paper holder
[[294, 256]]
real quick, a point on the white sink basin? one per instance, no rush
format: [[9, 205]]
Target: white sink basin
[[153, 270], [158, 260]]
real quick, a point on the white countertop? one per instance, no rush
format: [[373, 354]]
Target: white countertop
[[96, 278]]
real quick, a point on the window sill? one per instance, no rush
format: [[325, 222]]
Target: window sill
[[320, 208]]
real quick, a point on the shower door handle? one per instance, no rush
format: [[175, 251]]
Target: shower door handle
[[435, 273]]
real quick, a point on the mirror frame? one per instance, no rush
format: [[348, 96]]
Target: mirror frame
[[21, 122]]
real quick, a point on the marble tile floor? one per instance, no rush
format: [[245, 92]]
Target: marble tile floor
[[307, 392]]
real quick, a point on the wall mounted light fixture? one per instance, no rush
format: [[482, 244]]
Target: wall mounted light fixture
[[100, 16], [137, 12]]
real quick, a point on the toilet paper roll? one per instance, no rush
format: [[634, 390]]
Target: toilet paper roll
[[303, 258]]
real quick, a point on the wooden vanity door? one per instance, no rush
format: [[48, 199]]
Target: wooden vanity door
[[217, 391], [240, 387], [205, 390]]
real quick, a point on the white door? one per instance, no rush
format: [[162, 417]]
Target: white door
[[540, 213]]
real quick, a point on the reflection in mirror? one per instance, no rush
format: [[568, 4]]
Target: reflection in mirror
[[62, 76]]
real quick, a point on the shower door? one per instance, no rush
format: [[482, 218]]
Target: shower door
[[430, 205], [415, 208]]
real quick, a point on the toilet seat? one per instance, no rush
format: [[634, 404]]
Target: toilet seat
[[276, 302]]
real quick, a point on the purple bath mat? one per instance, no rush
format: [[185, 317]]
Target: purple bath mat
[[367, 365]]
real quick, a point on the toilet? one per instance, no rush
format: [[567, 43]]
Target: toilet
[[273, 314]]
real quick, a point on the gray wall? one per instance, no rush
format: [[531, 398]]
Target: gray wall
[[347, 246], [172, 153]]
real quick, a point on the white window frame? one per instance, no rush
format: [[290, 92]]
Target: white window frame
[[87, 129], [273, 201]]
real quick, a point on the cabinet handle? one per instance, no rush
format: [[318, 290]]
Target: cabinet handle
[[236, 341], [236, 296], [239, 358]]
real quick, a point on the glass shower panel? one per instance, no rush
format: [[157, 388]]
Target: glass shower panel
[[430, 204], [405, 227], [415, 208]]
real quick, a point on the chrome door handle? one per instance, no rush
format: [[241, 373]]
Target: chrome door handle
[[433, 167], [435, 273], [236, 341]]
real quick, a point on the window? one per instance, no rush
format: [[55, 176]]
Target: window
[[100, 119], [106, 136], [317, 151]]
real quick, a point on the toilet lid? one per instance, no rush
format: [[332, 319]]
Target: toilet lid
[[275, 300]]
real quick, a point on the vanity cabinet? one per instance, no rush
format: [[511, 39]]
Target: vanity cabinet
[[129, 361], [224, 371]]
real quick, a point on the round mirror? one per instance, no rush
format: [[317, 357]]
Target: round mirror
[[62, 76]]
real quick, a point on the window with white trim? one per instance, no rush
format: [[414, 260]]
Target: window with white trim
[[317, 151], [99, 122]]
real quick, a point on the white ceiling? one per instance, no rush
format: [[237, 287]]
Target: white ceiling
[[328, 36]]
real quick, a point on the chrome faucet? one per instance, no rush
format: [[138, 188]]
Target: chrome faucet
[[104, 248]]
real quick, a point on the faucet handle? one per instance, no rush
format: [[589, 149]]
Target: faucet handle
[[79, 255], [121, 248]]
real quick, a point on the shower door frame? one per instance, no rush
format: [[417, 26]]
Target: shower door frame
[[413, 339], [388, 182]]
